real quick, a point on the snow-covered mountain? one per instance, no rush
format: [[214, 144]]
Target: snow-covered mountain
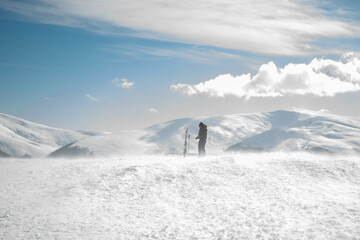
[[304, 130], [168, 137], [21, 138], [293, 130], [223, 131]]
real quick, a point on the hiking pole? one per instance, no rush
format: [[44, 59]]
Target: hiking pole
[[185, 144], [188, 145]]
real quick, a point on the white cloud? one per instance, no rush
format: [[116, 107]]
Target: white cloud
[[92, 98], [321, 77], [152, 110], [196, 54], [124, 83], [271, 27]]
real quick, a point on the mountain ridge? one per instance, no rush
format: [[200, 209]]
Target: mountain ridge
[[22, 138], [280, 130]]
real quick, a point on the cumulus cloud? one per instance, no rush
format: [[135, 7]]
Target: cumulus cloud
[[321, 77], [152, 110], [271, 27], [92, 98], [124, 83]]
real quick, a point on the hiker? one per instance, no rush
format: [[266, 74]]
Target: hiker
[[202, 139]]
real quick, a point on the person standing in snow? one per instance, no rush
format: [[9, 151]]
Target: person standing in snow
[[202, 136]]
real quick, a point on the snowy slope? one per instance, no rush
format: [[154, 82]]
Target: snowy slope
[[248, 196], [304, 130], [293, 130], [21, 138]]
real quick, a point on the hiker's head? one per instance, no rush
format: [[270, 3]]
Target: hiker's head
[[201, 124]]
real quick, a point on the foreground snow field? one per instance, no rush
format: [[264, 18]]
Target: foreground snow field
[[247, 196]]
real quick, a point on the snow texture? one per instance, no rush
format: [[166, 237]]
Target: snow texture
[[247, 196]]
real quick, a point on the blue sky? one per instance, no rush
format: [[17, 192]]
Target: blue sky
[[59, 59]]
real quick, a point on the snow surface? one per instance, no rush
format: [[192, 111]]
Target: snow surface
[[245, 196], [21, 138]]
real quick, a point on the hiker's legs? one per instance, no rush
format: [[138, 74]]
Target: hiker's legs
[[201, 147]]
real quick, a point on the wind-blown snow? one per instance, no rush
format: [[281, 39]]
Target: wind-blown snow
[[248, 196], [125, 143]]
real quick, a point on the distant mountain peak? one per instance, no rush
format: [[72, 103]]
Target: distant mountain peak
[[22, 138]]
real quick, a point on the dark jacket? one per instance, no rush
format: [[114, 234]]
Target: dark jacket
[[202, 132]]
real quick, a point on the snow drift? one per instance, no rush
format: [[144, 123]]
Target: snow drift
[[247, 196]]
